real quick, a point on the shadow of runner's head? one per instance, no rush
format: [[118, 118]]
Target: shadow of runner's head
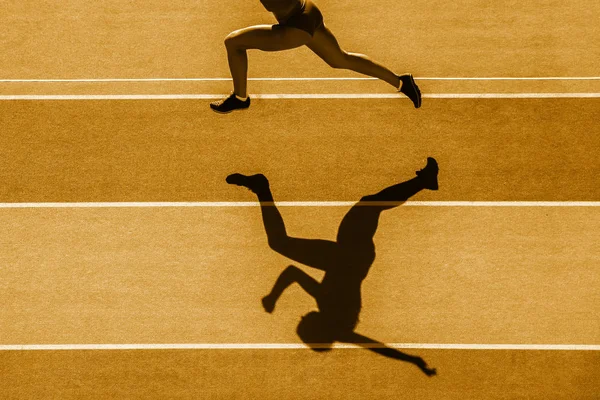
[[316, 331]]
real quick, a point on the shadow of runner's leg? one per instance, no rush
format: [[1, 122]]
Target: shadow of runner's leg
[[314, 253], [360, 223]]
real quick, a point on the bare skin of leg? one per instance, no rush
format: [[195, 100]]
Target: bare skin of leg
[[261, 37], [278, 38], [325, 45]]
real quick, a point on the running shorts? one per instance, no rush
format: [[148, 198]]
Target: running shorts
[[308, 18]]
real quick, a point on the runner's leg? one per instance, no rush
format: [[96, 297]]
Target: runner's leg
[[325, 45], [261, 37]]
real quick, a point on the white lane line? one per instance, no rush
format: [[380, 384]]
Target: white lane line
[[516, 78], [298, 96], [100, 80], [294, 346], [304, 204]]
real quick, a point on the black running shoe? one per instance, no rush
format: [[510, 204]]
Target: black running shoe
[[410, 89], [429, 174], [256, 183], [230, 104]]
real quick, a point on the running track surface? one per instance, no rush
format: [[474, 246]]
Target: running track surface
[[520, 275]]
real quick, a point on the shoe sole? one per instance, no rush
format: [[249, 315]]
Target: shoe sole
[[230, 111]]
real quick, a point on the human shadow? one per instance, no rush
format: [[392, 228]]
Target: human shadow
[[346, 263]]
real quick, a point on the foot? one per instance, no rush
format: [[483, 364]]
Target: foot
[[230, 104], [429, 174], [410, 89], [256, 183], [268, 304]]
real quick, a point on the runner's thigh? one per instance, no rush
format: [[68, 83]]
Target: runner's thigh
[[268, 38]]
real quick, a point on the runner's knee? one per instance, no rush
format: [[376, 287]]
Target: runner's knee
[[339, 61], [342, 60], [278, 243], [231, 40]]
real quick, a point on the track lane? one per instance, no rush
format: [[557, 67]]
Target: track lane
[[196, 275], [298, 374], [496, 150]]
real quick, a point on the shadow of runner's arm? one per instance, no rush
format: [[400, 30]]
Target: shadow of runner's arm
[[290, 275], [380, 348]]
